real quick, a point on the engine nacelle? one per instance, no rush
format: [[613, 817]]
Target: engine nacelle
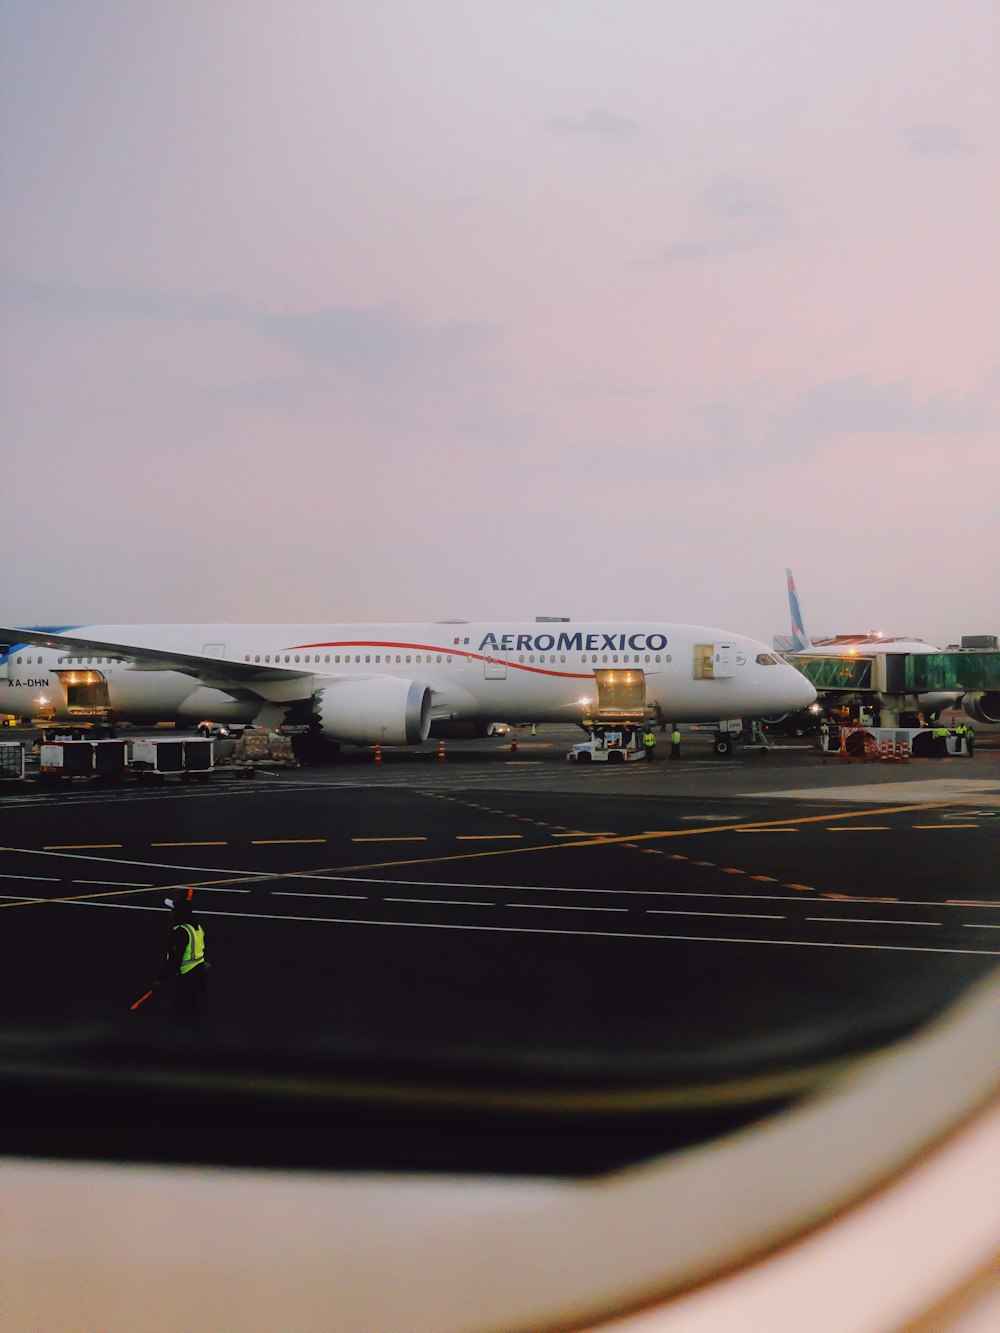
[[375, 710], [984, 707]]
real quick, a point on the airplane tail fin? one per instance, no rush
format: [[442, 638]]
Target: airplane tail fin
[[800, 639]]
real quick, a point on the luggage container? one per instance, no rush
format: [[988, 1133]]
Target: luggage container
[[83, 759], [11, 761], [156, 757]]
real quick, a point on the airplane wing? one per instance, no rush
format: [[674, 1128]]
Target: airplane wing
[[212, 671]]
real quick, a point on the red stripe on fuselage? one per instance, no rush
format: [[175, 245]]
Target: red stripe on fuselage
[[449, 652]]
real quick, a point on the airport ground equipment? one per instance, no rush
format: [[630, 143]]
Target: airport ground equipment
[[158, 757], [899, 743], [612, 745], [82, 759], [11, 761]]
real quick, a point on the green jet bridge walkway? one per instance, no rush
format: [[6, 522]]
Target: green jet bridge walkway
[[898, 678]]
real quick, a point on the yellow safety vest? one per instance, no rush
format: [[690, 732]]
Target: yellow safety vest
[[649, 740], [194, 949]]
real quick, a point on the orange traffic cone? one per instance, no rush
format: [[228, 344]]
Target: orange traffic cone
[[441, 752], [378, 754]]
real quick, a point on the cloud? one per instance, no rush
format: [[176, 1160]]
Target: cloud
[[936, 139], [856, 405], [742, 214], [598, 124], [364, 339]]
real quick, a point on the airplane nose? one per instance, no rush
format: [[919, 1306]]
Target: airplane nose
[[804, 690]]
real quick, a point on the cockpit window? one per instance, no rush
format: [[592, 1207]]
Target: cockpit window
[[766, 659]]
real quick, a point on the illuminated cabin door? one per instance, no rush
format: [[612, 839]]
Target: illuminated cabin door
[[86, 692], [621, 693]]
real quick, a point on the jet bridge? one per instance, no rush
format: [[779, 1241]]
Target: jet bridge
[[898, 681]]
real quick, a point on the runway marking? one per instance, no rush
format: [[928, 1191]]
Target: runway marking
[[764, 879], [485, 837], [944, 826], [869, 921], [49, 879], [576, 833], [555, 930], [440, 902], [189, 844], [861, 828], [703, 863], [766, 830], [274, 842], [391, 838], [731, 870], [77, 846], [679, 911], [805, 888], [301, 893], [979, 925], [508, 851], [564, 907], [120, 882]]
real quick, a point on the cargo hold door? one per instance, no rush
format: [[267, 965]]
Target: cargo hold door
[[621, 693]]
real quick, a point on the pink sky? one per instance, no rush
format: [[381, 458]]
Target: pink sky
[[404, 311]]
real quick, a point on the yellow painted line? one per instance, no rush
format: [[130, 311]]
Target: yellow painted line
[[942, 826], [731, 870], [189, 844], [806, 888], [485, 837], [271, 842], [578, 834], [77, 846], [406, 838], [506, 851], [678, 856], [861, 828], [764, 879]]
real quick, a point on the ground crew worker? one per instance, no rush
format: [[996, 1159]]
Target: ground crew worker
[[824, 734], [675, 743], [940, 735], [649, 743], [185, 965], [970, 737]]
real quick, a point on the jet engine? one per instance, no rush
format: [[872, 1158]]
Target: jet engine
[[983, 706], [370, 710]]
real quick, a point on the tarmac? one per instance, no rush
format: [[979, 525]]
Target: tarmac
[[499, 960]]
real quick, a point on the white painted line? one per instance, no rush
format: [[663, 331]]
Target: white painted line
[[670, 911], [869, 921], [49, 879], [299, 893], [440, 902], [555, 930], [979, 925], [564, 907], [115, 883]]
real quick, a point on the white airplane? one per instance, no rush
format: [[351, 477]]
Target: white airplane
[[862, 645], [387, 684]]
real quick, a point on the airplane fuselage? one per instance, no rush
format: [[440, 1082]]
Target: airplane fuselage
[[528, 671]]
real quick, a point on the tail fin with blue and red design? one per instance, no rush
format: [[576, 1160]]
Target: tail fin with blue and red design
[[800, 639]]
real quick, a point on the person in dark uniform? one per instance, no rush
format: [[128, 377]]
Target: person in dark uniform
[[185, 966]]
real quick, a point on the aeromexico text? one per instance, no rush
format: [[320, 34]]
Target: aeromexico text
[[568, 643]]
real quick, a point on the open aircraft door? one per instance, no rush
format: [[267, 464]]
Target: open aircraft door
[[86, 692], [621, 693]]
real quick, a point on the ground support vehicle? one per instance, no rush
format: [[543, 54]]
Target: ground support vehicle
[[892, 743], [611, 745], [735, 732]]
